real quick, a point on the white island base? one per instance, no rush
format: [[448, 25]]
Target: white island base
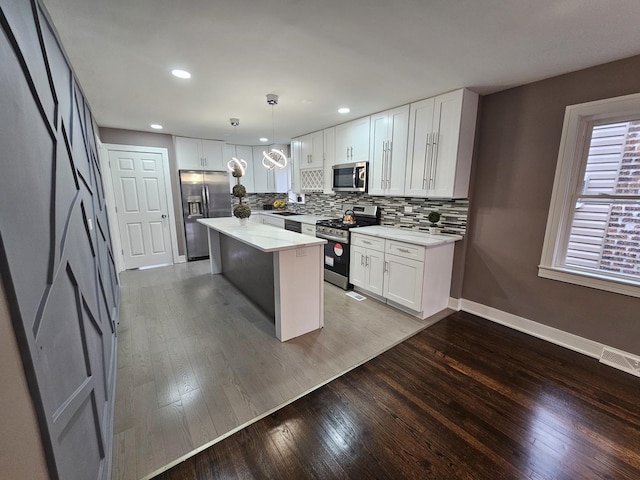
[[280, 271]]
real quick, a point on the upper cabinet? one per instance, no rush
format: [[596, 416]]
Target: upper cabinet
[[388, 151], [241, 152], [199, 154], [352, 141], [296, 156], [274, 180], [312, 151], [329, 158], [441, 135]]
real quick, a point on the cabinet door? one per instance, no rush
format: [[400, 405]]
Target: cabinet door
[[296, 156], [312, 151], [397, 150], [357, 268], [276, 222], [188, 153], [212, 155], [375, 271], [442, 171], [329, 158], [360, 140], [420, 149], [262, 177], [342, 152], [403, 281], [378, 140], [240, 152]]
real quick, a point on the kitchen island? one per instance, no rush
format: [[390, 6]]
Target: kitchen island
[[282, 272]]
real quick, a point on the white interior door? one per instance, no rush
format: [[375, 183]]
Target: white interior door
[[141, 207]]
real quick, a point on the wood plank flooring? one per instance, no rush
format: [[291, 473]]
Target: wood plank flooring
[[196, 360], [463, 399]]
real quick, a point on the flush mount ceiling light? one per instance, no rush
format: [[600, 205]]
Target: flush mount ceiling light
[[274, 158], [156, 126], [236, 163], [180, 73], [264, 139], [344, 110]]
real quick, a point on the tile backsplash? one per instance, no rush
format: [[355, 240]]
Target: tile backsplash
[[453, 212]]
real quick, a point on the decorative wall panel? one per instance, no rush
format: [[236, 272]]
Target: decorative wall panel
[[55, 251]]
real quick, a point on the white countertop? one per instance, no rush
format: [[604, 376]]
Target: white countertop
[[263, 237], [409, 236], [302, 218]]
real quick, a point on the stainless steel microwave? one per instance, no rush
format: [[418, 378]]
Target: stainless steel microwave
[[350, 177]]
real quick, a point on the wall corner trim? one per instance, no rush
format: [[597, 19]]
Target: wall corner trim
[[455, 304], [544, 332]]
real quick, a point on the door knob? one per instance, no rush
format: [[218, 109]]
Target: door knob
[[164, 216]]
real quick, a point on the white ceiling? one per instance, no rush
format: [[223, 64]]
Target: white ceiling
[[319, 55]]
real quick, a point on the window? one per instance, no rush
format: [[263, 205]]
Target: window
[[593, 229]]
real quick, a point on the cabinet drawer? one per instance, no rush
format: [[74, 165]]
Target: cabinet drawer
[[367, 242], [406, 250], [309, 230]]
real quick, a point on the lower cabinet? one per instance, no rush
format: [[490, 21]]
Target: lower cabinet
[[405, 275], [276, 222], [308, 229]]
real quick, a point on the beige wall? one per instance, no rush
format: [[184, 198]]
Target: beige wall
[[148, 139], [518, 140], [21, 452]]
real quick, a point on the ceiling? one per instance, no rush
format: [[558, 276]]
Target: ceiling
[[369, 55]]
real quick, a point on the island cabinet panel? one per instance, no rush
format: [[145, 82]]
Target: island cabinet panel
[[441, 136]]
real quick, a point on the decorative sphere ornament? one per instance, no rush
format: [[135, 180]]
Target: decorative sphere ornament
[[242, 211], [239, 190]]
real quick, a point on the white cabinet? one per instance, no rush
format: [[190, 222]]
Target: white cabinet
[[308, 230], [441, 135], [274, 180], [388, 151], [366, 269], [406, 275], [276, 222], [296, 158], [312, 151], [352, 141], [199, 154], [241, 152], [329, 158]]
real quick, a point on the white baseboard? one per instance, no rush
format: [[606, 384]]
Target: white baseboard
[[180, 259], [550, 334], [454, 304]]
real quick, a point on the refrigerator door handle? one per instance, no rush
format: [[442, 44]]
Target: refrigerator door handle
[[206, 188]]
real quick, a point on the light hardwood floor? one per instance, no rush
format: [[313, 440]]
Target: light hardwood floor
[[197, 361]]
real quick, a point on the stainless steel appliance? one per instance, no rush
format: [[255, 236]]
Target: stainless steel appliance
[[350, 177], [204, 195], [292, 225], [337, 249]]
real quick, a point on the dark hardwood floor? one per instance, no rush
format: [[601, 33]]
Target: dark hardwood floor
[[465, 398]]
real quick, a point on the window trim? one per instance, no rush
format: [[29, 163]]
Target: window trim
[[569, 173]]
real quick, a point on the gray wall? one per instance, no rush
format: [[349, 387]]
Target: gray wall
[[149, 139], [519, 136], [56, 262], [21, 452]]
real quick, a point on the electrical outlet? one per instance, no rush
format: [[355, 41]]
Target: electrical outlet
[[300, 252], [408, 209]]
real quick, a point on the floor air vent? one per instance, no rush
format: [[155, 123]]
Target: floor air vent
[[357, 296], [622, 361]]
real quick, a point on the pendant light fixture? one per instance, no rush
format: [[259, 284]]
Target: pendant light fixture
[[274, 158], [236, 162]]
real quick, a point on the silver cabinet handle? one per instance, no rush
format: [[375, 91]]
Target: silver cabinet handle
[[366, 261], [347, 153], [389, 161], [434, 163], [403, 250], [386, 266], [362, 260], [384, 164], [366, 241]]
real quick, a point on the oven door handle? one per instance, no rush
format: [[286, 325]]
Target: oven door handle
[[333, 239]]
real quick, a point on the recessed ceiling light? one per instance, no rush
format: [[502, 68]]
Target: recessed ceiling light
[[264, 139], [180, 73], [344, 110], [156, 126]]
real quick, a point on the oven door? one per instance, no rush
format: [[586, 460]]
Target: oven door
[[336, 263]]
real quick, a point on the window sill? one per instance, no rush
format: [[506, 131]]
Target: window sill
[[591, 280]]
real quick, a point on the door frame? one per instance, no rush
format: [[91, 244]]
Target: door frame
[[114, 227]]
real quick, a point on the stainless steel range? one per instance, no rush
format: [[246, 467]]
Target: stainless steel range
[[336, 232]]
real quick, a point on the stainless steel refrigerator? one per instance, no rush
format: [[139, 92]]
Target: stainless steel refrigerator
[[204, 195]]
